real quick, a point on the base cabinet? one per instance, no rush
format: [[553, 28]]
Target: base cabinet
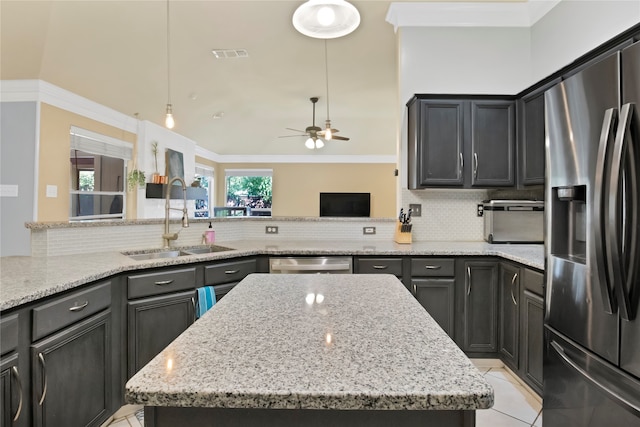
[[533, 339], [478, 335], [72, 375], [11, 392], [155, 322], [437, 297], [509, 310]]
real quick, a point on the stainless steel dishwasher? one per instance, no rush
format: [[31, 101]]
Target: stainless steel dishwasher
[[311, 265]]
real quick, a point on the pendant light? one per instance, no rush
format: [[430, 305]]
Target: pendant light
[[169, 122], [326, 19], [328, 134]]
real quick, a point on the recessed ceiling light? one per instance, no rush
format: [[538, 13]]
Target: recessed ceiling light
[[218, 115], [229, 53]]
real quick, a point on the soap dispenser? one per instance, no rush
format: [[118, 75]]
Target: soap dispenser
[[209, 235]]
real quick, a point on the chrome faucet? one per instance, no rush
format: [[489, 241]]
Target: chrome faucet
[[168, 237]]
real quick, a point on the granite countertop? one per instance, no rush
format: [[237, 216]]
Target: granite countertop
[[27, 279], [313, 342]]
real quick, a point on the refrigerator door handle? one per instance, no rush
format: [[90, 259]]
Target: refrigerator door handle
[[635, 406], [623, 155], [599, 208]]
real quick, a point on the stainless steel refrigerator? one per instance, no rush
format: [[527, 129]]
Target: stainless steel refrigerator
[[592, 326]]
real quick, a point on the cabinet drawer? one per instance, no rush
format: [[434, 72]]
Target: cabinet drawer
[[9, 333], [380, 266], [533, 281], [229, 271], [432, 267], [65, 311], [161, 282]]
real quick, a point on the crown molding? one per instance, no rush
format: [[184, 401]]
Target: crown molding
[[468, 14], [41, 91], [305, 159]]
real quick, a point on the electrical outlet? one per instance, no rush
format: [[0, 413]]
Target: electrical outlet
[[271, 229], [416, 209], [368, 230], [480, 211]]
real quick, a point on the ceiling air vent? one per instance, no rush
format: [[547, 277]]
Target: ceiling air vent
[[229, 53]]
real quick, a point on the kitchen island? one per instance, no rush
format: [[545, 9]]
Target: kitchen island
[[278, 350]]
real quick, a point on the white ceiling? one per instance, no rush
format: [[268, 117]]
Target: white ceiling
[[114, 53]]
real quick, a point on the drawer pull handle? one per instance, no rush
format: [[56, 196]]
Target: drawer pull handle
[[44, 378], [231, 271], [433, 267], [16, 375], [79, 307], [164, 282], [380, 267]]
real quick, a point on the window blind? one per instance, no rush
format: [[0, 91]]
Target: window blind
[[95, 143]]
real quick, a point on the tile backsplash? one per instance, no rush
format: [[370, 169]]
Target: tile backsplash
[[447, 215]]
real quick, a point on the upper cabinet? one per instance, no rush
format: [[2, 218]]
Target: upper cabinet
[[531, 136], [464, 142]]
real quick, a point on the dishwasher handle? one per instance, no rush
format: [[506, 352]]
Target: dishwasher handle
[[319, 267]]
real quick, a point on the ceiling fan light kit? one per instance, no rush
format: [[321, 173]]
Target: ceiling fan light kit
[[326, 19]]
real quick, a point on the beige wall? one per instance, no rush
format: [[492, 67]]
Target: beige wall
[[55, 125], [296, 187]]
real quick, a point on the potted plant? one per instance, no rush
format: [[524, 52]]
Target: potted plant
[[135, 178], [155, 178]]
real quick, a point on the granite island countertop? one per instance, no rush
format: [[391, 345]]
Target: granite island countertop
[[27, 279], [313, 342]]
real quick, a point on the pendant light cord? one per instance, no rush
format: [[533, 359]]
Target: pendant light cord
[[168, 58], [326, 70]]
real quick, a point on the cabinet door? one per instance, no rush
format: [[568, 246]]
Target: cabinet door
[[72, 375], [508, 306], [153, 323], [532, 336], [480, 320], [436, 136], [11, 392], [531, 136], [493, 143], [437, 297]]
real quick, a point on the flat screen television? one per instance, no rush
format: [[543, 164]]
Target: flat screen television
[[345, 204]]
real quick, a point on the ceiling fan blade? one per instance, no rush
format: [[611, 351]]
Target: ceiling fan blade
[[324, 131], [339, 138], [292, 136], [296, 130]]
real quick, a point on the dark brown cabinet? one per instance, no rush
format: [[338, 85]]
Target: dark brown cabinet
[[11, 391], [72, 375], [509, 311], [531, 136], [433, 285], [14, 382], [532, 328], [465, 142], [478, 306], [161, 305], [224, 276]]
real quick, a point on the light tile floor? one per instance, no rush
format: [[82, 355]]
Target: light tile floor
[[514, 405]]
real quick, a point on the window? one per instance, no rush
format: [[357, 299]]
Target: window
[[204, 174], [98, 171], [248, 192]]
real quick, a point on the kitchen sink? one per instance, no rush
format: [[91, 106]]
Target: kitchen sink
[[156, 254], [206, 249], [174, 253]]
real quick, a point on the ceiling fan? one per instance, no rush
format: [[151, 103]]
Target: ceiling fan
[[314, 133]]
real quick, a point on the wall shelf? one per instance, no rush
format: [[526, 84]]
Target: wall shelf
[[157, 191]]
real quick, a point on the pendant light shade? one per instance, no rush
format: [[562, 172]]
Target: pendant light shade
[[326, 19], [168, 121]]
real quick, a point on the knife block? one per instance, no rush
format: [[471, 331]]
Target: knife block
[[402, 236]]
